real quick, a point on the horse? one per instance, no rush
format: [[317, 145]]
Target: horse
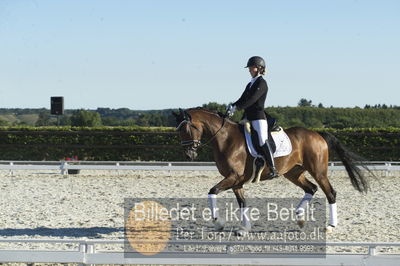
[[310, 152]]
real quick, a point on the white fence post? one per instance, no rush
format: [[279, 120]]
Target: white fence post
[[372, 250], [63, 167], [82, 249], [11, 173], [388, 165]]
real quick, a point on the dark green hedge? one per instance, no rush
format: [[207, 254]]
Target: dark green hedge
[[376, 144], [338, 118], [159, 144]]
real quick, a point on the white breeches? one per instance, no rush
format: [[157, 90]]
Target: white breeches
[[261, 126]]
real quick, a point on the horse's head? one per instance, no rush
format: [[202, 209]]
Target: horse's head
[[190, 133]]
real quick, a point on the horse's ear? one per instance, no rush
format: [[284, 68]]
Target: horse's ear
[[181, 113], [187, 116]]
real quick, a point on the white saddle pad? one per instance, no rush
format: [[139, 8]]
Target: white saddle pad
[[282, 142]]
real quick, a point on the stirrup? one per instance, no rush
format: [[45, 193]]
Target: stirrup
[[259, 165], [273, 173]]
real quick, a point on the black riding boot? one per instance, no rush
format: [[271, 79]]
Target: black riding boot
[[269, 158]]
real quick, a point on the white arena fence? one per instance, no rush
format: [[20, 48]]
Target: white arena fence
[[87, 253], [64, 166]]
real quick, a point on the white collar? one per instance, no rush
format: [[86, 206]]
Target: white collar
[[254, 79]]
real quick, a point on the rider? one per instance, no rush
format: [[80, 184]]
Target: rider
[[252, 101]]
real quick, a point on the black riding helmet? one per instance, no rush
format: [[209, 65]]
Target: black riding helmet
[[256, 61]]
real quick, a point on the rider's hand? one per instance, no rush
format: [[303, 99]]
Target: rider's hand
[[230, 110]]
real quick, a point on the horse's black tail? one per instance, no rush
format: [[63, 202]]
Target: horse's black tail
[[350, 161]]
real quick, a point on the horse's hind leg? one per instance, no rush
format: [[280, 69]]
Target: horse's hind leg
[[320, 173], [296, 176]]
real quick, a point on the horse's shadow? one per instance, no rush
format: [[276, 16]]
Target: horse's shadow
[[91, 232]]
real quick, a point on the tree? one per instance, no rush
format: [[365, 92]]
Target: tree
[[304, 103], [43, 120], [82, 118], [4, 123], [111, 121], [65, 120], [216, 107], [221, 108]]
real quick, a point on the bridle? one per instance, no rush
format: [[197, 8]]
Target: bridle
[[196, 143]]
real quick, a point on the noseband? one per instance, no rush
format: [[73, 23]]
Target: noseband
[[194, 142]]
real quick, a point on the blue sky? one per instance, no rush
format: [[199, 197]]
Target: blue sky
[[168, 54]]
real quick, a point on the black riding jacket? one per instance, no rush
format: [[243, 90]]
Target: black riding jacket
[[253, 99]]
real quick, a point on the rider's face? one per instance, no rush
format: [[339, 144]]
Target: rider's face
[[253, 71]]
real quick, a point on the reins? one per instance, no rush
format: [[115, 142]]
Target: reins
[[197, 143], [215, 134]]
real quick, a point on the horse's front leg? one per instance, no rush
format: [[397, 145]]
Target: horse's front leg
[[245, 225], [225, 184]]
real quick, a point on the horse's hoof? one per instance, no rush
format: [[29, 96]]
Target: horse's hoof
[[218, 224], [301, 223], [242, 231], [300, 219], [329, 229]]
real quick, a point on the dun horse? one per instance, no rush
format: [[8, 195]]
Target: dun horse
[[310, 152]]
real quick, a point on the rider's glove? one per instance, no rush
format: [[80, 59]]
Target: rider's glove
[[230, 110]]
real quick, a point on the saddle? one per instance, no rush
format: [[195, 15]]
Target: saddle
[[272, 127], [259, 163]]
